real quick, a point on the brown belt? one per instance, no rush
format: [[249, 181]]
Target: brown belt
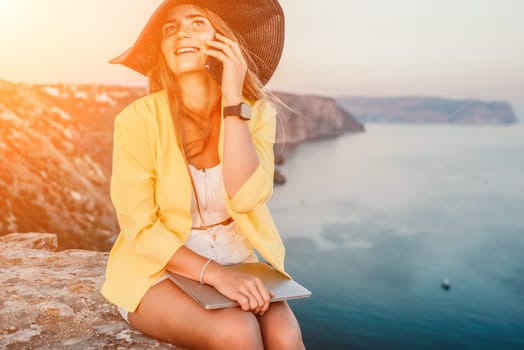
[[224, 222]]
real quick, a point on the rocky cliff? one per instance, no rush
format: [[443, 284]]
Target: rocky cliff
[[303, 118], [428, 110], [51, 300], [55, 155], [55, 158]]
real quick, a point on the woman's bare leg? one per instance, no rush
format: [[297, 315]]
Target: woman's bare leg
[[280, 329], [167, 313]]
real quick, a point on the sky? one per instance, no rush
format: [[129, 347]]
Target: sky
[[447, 48]]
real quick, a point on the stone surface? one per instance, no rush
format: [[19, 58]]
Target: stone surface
[[51, 300]]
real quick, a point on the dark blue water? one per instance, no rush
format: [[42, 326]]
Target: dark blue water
[[374, 222]]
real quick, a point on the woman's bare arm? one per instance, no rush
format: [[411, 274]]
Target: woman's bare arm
[[240, 159], [245, 289]]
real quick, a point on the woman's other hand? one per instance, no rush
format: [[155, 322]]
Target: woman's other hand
[[246, 289], [235, 67]]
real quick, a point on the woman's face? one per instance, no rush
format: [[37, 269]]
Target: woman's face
[[184, 35]]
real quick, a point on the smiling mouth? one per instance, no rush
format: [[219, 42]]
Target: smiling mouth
[[184, 50]]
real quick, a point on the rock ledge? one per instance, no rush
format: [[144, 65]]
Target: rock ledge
[[52, 300]]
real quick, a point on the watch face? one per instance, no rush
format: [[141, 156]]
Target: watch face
[[245, 111]]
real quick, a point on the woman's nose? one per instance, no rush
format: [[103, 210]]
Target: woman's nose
[[183, 32], [182, 35]]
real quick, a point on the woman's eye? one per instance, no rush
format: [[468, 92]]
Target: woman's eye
[[199, 22], [169, 29]]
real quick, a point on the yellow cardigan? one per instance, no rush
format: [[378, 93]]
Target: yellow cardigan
[[151, 192]]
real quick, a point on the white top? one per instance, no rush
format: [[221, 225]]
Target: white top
[[209, 186]]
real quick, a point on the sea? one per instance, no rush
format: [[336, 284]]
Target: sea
[[408, 236]]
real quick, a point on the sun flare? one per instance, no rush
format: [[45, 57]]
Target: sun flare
[[11, 13]]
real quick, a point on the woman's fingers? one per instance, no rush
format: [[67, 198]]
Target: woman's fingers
[[253, 302], [243, 301], [218, 54], [261, 294], [266, 296], [228, 46], [235, 66], [250, 290], [234, 45], [228, 51], [248, 302], [247, 290], [256, 294]]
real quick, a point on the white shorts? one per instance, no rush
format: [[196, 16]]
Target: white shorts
[[222, 243]]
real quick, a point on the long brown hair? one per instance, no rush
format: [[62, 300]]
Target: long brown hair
[[162, 78]]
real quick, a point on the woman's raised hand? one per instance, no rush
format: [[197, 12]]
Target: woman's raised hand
[[235, 67], [247, 290]]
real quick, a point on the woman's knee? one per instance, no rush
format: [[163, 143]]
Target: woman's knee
[[239, 330], [285, 336], [280, 328]]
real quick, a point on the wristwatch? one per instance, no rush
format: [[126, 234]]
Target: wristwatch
[[241, 110]]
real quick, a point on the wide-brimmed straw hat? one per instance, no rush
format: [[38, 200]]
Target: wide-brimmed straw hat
[[260, 23]]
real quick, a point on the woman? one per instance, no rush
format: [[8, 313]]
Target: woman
[[192, 169]]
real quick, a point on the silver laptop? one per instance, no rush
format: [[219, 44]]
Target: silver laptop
[[207, 296]]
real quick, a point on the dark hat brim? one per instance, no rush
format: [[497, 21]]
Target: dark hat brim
[[260, 23]]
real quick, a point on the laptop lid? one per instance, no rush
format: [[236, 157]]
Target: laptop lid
[[207, 296]]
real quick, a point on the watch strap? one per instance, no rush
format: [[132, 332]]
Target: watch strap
[[242, 110]]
